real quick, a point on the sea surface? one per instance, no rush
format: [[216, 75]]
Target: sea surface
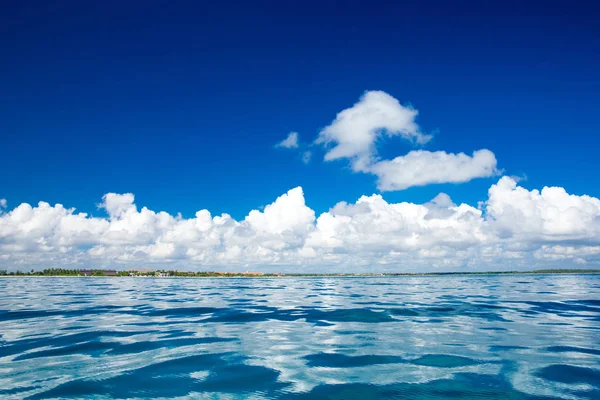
[[464, 337]]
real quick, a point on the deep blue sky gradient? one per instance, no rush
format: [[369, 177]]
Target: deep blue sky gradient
[[182, 102]]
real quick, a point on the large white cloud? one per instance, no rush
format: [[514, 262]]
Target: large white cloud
[[515, 228], [549, 215], [355, 132]]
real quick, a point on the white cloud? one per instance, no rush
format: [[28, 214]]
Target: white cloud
[[550, 215], [306, 156], [420, 167], [2, 203], [290, 142], [356, 131], [117, 205], [568, 254], [516, 228], [372, 225], [287, 213]]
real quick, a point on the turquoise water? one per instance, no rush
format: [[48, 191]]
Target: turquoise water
[[469, 337]]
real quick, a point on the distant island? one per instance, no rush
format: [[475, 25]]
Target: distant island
[[149, 273]]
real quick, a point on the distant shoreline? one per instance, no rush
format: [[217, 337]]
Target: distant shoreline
[[183, 274]]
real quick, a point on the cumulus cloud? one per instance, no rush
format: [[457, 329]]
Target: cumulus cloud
[[287, 213], [420, 168], [549, 215], [515, 228], [3, 203], [116, 205], [355, 132], [290, 142]]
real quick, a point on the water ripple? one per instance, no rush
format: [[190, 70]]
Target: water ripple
[[492, 337]]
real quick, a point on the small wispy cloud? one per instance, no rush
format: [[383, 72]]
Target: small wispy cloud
[[306, 157], [290, 142]]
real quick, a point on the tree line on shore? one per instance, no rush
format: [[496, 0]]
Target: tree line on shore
[[123, 273], [174, 273]]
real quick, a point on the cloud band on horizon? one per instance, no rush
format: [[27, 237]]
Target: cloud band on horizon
[[515, 229]]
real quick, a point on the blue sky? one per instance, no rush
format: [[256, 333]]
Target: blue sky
[[181, 103]]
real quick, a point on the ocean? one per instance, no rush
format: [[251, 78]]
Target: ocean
[[432, 337]]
